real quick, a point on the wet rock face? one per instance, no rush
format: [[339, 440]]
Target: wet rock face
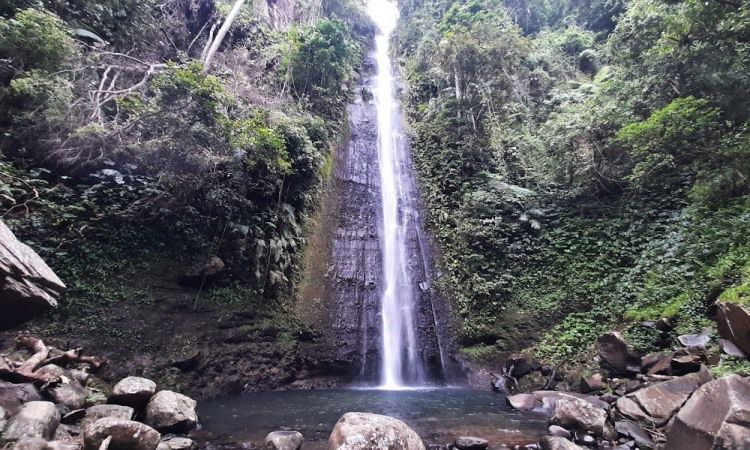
[[716, 416], [27, 285], [365, 431], [354, 278]]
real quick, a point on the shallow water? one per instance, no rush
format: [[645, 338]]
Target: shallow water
[[437, 415]]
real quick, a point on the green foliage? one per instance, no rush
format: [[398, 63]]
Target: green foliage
[[318, 64], [34, 39]]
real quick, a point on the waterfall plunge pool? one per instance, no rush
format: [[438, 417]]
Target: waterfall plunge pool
[[437, 415]]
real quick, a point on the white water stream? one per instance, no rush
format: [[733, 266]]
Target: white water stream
[[401, 365]]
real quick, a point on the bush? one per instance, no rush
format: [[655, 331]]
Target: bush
[[35, 40]]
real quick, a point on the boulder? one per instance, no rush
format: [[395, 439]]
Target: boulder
[[660, 401], [556, 430], [663, 366], [125, 434], [716, 416], [12, 395], [30, 443], [27, 285], [69, 391], [593, 383], [205, 273], [613, 351], [543, 402], [632, 430], [697, 341], [177, 443], [734, 324], [517, 366], [575, 413], [471, 443], [730, 349], [170, 411], [132, 391], [557, 443], [35, 419], [284, 440], [627, 407], [684, 364], [97, 412], [365, 431]]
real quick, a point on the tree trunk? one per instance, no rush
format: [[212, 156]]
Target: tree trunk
[[222, 32]]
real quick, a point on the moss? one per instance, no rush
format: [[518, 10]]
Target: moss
[[739, 294]]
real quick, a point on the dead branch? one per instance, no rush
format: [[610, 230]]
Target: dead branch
[[75, 355]]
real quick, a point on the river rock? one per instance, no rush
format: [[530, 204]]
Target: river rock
[[557, 443], [170, 411], [575, 413], [543, 402], [613, 351], [471, 443], [662, 400], [556, 430], [69, 391], [177, 443], [632, 430], [126, 435], [27, 285], [716, 416], [97, 412], [697, 341], [284, 440], [12, 395], [133, 391], [365, 431], [35, 419], [734, 324], [593, 383]]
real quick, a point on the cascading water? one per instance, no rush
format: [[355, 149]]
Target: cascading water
[[401, 364]]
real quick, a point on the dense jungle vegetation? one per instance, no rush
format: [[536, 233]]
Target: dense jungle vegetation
[[125, 147], [585, 164]]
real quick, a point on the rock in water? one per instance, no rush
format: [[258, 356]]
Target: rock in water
[[734, 324], [177, 443], [716, 416], [35, 419], [133, 391], [284, 440], [471, 443], [365, 431], [558, 443], [579, 414], [27, 285], [126, 435], [170, 411]]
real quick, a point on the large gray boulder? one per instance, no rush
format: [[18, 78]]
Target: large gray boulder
[[13, 395], [578, 414], [35, 420], [132, 391], [658, 403], [27, 285], [284, 440], [613, 351], [125, 435], [716, 416], [170, 411], [544, 402], [365, 431]]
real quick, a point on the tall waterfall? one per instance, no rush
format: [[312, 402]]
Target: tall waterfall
[[401, 363]]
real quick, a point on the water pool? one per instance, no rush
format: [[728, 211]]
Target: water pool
[[437, 415]]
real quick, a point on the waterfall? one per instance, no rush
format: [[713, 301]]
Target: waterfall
[[401, 363]]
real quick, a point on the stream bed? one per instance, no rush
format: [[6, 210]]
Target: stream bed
[[437, 415]]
